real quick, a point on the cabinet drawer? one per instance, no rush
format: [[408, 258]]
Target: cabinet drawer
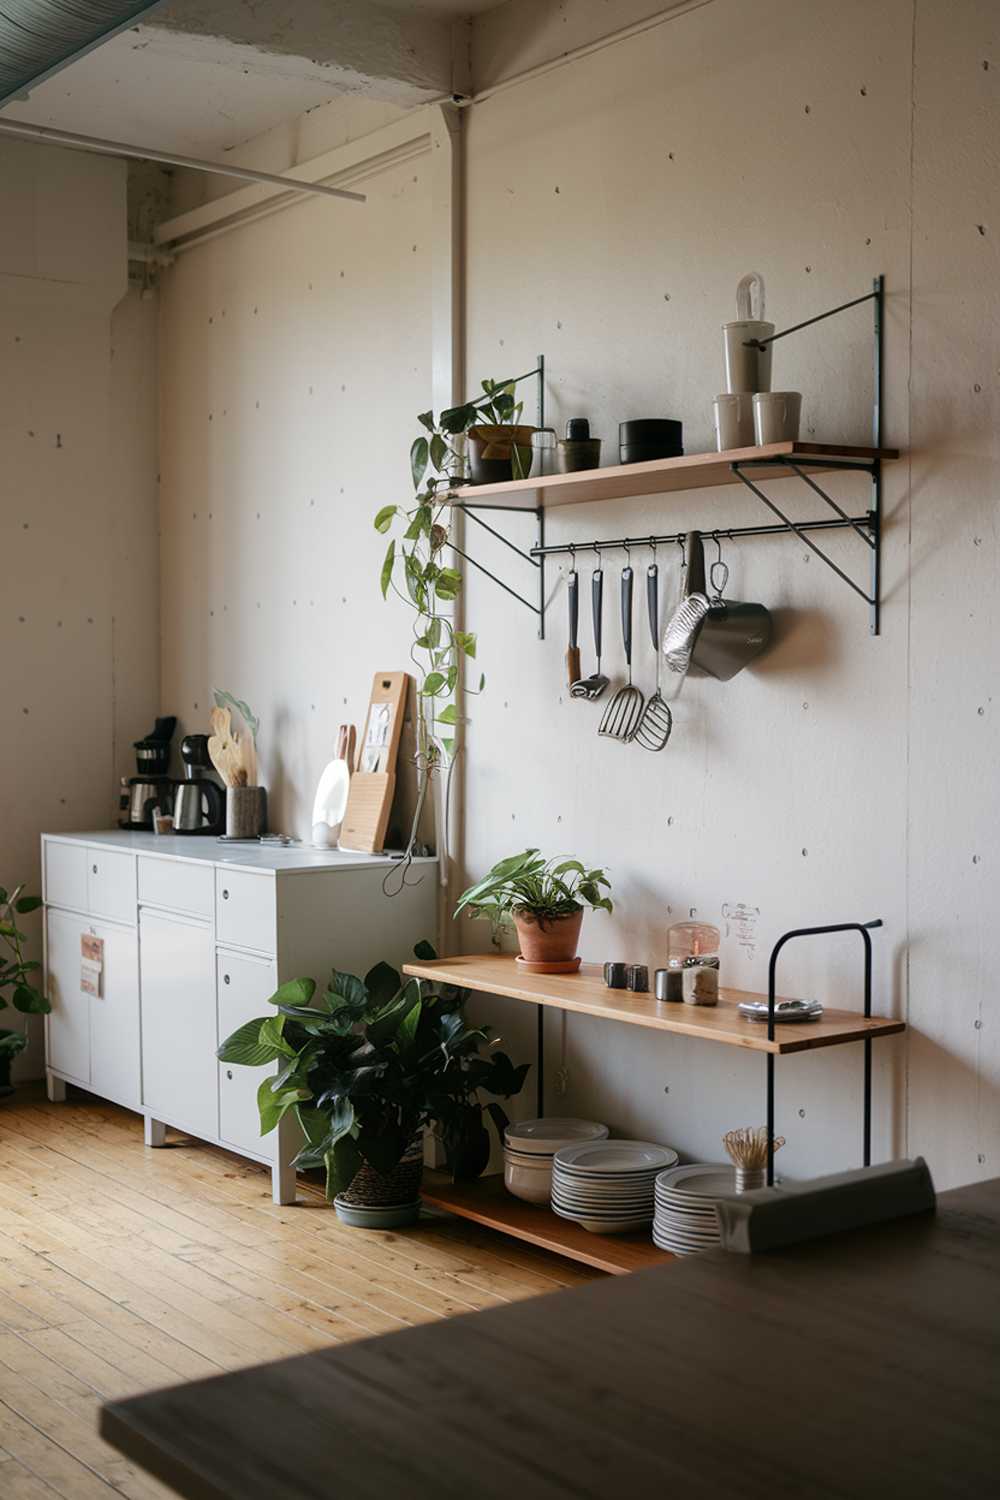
[[245, 986], [66, 875], [246, 910], [177, 886], [111, 885]]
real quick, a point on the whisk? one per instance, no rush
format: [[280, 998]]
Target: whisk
[[747, 1150], [622, 715], [653, 729]]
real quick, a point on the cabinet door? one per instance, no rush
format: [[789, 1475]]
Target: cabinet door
[[179, 1069], [111, 884], [245, 985], [68, 1026], [114, 1019]]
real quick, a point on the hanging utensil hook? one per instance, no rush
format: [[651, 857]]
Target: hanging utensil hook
[[718, 573]]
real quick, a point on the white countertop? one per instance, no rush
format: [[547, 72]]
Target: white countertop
[[205, 848]]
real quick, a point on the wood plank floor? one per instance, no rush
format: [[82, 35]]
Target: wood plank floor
[[123, 1269]]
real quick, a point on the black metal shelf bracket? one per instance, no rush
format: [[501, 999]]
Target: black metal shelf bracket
[[536, 556], [865, 929]]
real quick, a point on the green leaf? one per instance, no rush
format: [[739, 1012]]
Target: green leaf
[[465, 640], [407, 1034], [387, 567], [294, 992], [385, 517], [343, 1163], [245, 1047], [424, 950], [30, 1001], [426, 419], [382, 983], [419, 456], [273, 1106], [348, 987], [433, 683], [28, 903], [448, 715], [271, 1035], [439, 450], [449, 747]]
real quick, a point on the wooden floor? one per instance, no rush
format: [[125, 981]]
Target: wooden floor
[[123, 1269]]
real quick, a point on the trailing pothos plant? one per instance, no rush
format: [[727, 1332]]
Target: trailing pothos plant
[[415, 568], [368, 1062]]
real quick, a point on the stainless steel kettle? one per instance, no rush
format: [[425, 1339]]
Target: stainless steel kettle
[[199, 803]]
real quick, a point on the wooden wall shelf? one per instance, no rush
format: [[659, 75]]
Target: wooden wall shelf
[[486, 1201], [662, 475], [586, 993]]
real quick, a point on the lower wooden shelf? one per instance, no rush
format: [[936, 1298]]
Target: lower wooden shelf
[[487, 1201]]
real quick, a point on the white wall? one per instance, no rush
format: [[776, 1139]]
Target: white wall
[[77, 503], [612, 205], [844, 777], [295, 351]]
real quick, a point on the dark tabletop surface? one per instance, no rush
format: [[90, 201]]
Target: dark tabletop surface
[[867, 1364]]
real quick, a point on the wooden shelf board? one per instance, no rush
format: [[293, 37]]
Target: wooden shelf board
[[487, 1202], [660, 476], [586, 993]]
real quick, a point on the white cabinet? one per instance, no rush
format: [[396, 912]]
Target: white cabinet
[[197, 937], [68, 1024], [93, 1039], [244, 986], [177, 975]]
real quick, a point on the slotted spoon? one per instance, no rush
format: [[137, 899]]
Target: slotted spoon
[[653, 729], [623, 713]]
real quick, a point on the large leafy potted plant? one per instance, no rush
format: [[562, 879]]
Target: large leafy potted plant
[[545, 900], [16, 975], [364, 1066]]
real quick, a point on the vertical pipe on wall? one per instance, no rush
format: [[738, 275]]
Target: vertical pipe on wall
[[448, 385]]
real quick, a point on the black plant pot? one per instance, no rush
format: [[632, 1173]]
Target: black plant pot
[[6, 1087]]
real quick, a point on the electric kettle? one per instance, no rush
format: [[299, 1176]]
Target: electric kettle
[[199, 802]]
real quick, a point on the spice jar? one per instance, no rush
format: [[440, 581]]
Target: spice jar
[[693, 963]]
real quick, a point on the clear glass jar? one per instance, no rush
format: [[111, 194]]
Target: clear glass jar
[[693, 963]]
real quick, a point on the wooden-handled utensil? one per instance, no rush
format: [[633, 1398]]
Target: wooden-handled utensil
[[573, 653]]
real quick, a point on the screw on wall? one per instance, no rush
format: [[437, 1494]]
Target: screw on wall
[[802, 1114], [980, 1158]]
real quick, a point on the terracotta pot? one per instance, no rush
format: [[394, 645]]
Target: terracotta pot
[[548, 940], [491, 451]]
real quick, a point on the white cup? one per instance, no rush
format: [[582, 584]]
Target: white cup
[[733, 421], [747, 367], [776, 416]]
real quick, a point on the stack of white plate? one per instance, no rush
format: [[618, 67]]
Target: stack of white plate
[[685, 1219], [529, 1147], [608, 1186]]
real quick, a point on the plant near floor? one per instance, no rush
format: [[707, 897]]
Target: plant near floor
[[16, 974], [368, 1063], [416, 558], [528, 882]]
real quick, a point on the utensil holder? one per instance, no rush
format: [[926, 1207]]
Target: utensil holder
[[750, 1178], [246, 812]]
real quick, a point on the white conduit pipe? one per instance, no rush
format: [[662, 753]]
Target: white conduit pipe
[[169, 158]]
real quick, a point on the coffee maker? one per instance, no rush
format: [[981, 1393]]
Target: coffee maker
[[199, 803], [151, 787]]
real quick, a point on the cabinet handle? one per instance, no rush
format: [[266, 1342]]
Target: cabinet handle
[[225, 978], [93, 869], [225, 895], [229, 1072]]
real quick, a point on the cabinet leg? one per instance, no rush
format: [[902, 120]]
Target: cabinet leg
[[283, 1180], [154, 1132], [55, 1088]]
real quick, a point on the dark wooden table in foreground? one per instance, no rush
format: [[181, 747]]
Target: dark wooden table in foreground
[[864, 1365]]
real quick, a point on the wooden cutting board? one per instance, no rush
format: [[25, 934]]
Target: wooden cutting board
[[374, 779]]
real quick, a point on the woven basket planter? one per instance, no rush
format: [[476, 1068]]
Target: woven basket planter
[[369, 1189]]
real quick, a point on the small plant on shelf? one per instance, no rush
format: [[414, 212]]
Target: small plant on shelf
[[545, 900], [17, 974], [365, 1066]]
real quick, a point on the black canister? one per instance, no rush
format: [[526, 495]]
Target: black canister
[[616, 976], [637, 978]]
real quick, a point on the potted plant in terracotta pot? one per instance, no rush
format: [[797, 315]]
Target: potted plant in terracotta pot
[[16, 975], [545, 900], [365, 1066]]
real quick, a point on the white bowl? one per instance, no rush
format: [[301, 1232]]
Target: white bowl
[[547, 1136], [532, 1183]]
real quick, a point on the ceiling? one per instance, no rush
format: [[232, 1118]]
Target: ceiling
[[200, 78]]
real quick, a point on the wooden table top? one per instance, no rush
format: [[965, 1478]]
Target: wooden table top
[[864, 1365]]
